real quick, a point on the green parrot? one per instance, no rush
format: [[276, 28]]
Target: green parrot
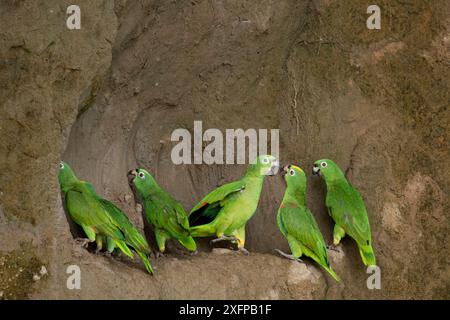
[[101, 220], [164, 213], [297, 223], [225, 211], [346, 207]]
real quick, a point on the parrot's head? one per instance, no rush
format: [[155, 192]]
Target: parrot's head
[[141, 181], [267, 165], [65, 174], [327, 169], [294, 176]]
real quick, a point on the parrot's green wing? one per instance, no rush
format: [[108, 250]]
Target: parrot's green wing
[[87, 211], [132, 236], [300, 224], [347, 209], [167, 214], [208, 208], [91, 214], [280, 223]]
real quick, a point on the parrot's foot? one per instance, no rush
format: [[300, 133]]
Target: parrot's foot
[[84, 242], [288, 256], [223, 238], [333, 247], [104, 253], [244, 251], [159, 254], [193, 253]]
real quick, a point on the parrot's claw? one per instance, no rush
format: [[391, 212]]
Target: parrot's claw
[[193, 253], [288, 256], [244, 251], [84, 242], [223, 238], [103, 253], [333, 247], [160, 255]]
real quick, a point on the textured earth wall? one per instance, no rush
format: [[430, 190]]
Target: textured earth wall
[[106, 99]]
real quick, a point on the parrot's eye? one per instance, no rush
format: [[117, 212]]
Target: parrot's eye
[[141, 175], [292, 172], [61, 165], [265, 160], [323, 164]]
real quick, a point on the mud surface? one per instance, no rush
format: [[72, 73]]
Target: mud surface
[[106, 99]]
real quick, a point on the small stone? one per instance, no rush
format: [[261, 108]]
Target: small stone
[[43, 271], [36, 277], [138, 208]]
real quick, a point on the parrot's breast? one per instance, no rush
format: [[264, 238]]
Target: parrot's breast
[[238, 210]]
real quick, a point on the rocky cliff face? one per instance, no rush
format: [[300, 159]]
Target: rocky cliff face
[[106, 99]]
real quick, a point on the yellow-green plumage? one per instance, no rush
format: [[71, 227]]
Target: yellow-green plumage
[[133, 237], [226, 210], [346, 207], [165, 214], [100, 219], [297, 223]]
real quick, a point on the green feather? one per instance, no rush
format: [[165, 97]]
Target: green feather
[[99, 217], [163, 212], [297, 223], [346, 207], [227, 209]]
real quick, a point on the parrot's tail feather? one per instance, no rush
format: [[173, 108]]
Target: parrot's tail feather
[[110, 244], [146, 262], [332, 273], [137, 241], [122, 246], [188, 243], [204, 230], [367, 255]]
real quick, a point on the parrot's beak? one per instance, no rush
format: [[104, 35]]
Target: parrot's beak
[[131, 175], [316, 170], [274, 168], [285, 169]]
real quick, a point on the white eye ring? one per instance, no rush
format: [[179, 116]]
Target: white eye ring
[[265, 160], [61, 165], [141, 175], [292, 172], [323, 164]]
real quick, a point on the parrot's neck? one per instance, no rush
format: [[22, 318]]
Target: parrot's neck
[[330, 182], [296, 193], [154, 190], [253, 172], [253, 182], [69, 184]]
